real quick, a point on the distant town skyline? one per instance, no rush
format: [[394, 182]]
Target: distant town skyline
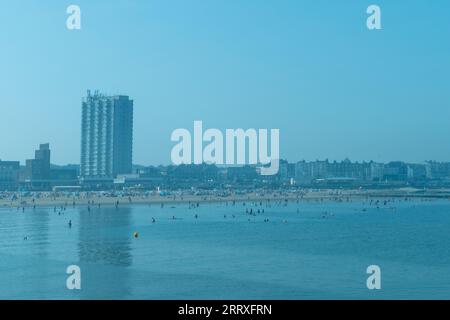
[[310, 68]]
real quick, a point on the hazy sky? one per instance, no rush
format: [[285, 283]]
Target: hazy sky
[[310, 68]]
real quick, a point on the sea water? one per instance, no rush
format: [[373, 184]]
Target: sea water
[[306, 250]]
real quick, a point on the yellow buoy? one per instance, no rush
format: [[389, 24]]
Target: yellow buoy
[[136, 234]]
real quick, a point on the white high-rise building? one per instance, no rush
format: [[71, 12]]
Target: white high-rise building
[[106, 136]]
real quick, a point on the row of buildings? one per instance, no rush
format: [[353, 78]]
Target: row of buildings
[[106, 162], [40, 174], [314, 173], [343, 172]]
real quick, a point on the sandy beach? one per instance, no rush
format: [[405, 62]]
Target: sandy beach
[[51, 199]]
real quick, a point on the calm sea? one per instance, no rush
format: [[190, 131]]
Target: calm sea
[[307, 250]]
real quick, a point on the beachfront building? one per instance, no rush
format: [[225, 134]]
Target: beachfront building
[[396, 171], [376, 171], [437, 170], [39, 167], [9, 174], [40, 174], [348, 169], [303, 172], [106, 136]]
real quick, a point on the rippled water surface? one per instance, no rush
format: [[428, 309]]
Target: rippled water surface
[[316, 250]]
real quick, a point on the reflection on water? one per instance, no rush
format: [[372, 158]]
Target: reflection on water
[[98, 243], [37, 229]]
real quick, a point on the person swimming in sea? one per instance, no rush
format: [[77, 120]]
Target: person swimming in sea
[[70, 223]]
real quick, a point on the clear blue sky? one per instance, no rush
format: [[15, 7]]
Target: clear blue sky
[[309, 68]]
